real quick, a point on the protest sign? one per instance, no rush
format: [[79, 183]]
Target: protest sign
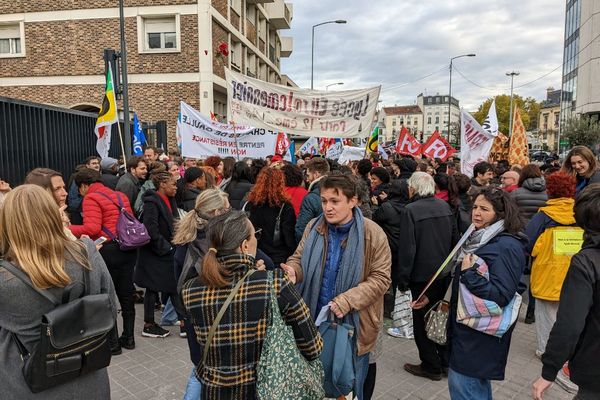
[[342, 114], [567, 241], [311, 146], [201, 137], [350, 153], [335, 150], [437, 147], [475, 143], [407, 144], [283, 143]]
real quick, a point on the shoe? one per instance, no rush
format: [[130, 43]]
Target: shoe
[[397, 333], [182, 332], [127, 342], [155, 331], [564, 381], [417, 370], [115, 351]]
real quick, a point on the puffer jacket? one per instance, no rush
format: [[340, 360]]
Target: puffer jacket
[[530, 197], [549, 268], [310, 208], [335, 250], [98, 212]]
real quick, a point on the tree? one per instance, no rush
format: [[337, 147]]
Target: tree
[[529, 107], [581, 131]]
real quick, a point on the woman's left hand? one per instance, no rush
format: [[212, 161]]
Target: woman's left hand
[[260, 265], [466, 262]]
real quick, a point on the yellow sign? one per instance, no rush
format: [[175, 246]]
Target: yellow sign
[[567, 241]]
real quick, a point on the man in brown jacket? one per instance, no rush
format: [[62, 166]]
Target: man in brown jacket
[[344, 261]]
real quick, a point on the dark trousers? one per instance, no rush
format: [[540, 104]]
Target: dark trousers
[[369, 386], [120, 265], [150, 299], [433, 356]]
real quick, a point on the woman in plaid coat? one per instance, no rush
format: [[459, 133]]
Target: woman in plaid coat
[[230, 369]]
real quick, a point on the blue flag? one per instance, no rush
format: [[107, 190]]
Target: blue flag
[[139, 138]]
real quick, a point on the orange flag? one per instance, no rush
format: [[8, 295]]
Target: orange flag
[[518, 152], [499, 150]]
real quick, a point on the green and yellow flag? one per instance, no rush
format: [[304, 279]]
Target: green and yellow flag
[[373, 142], [107, 116]]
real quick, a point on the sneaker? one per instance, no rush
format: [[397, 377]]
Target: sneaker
[[182, 332], [155, 331], [564, 381], [397, 333]]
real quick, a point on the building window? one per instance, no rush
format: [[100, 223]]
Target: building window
[[437, 120], [236, 55], [416, 122], [159, 34], [236, 5], [12, 40], [408, 122], [251, 13], [394, 122]]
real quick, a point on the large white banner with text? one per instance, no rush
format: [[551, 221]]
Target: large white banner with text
[[475, 143], [202, 138], [339, 114]]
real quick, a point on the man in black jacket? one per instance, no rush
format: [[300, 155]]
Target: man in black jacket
[[132, 180], [575, 334], [428, 232]]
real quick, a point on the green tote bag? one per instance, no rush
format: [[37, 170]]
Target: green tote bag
[[282, 372]]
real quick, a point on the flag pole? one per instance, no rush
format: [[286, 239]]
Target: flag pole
[[122, 144], [237, 150]]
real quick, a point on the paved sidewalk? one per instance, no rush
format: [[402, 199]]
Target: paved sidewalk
[[158, 369]]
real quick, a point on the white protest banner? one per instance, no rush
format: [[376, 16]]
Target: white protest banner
[[335, 150], [351, 154], [343, 114], [311, 146], [201, 137], [475, 143]]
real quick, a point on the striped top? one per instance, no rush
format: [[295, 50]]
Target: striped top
[[230, 370]]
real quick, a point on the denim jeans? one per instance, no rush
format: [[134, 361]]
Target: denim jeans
[[361, 370], [169, 316], [462, 387], [194, 387]]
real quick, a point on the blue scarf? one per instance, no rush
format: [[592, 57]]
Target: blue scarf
[[350, 272]]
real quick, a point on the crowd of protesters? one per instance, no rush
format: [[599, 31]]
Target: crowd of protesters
[[344, 237]]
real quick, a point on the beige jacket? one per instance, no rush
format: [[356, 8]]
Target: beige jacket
[[367, 297]]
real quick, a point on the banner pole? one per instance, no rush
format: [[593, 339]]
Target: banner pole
[[237, 150], [122, 144]]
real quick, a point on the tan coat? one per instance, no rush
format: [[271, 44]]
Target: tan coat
[[367, 297]]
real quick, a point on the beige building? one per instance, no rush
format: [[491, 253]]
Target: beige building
[[435, 116], [549, 121], [52, 51], [394, 118]]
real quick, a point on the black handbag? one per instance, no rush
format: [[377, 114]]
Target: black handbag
[[73, 336]]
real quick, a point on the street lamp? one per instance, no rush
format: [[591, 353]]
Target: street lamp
[[312, 58], [450, 89], [510, 117], [333, 84]]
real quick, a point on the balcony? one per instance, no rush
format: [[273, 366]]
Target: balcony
[[287, 45], [280, 14]]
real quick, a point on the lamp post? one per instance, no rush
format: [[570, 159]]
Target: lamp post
[[510, 117], [333, 84], [126, 131], [312, 57], [450, 89]]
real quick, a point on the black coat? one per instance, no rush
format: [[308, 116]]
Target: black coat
[[237, 191], [155, 268], [575, 334], [188, 199], [463, 212], [428, 231], [265, 217], [389, 217], [530, 197]]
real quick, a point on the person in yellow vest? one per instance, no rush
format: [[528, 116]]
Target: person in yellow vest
[[553, 240]]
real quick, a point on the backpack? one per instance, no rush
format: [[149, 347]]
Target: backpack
[[131, 233], [73, 336]]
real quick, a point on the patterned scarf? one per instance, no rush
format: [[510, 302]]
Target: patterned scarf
[[478, 239]]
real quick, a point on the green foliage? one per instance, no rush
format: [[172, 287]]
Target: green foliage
[[581, 131], [529, 107]]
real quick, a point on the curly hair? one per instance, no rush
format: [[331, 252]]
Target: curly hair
[[293, 175], [560, 184], [213, 161], [269, 188]]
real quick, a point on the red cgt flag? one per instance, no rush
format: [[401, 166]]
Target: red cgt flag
[[407, 144], [437, 147], [283, 143]]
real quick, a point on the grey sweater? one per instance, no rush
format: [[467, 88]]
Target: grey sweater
[[21, 310]]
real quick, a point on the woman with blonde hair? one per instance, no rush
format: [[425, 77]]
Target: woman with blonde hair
[[32, 239], [581, 162]]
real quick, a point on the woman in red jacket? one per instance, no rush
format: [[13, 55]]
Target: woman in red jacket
[[100, 214]]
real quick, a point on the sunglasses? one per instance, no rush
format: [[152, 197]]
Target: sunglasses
[[258, 233]]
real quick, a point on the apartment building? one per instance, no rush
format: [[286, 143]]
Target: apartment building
[[397, 117], [435, 115], [52, 51], [549, 120]]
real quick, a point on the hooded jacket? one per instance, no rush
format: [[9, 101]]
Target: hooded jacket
[[575, 334], [310, 208], [549, 266], [530, 197]]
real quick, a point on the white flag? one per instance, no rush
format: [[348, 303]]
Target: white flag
[[382, 152], [311, 146], [491, 122], [475, 143]]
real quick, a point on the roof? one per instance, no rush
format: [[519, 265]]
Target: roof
[[399, 110]]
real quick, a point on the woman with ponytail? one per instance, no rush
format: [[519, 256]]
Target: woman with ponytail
[[232, 356]]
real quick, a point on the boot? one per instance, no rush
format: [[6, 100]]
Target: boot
[[113, 340]]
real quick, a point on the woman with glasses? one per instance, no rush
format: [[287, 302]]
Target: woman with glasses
[[229, 371]]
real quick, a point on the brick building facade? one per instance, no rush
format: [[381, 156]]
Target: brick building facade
[[52, 52]]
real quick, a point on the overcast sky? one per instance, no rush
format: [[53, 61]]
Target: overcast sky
[[389, 43]]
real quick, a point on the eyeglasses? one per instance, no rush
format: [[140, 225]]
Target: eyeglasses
[[258, 233]]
